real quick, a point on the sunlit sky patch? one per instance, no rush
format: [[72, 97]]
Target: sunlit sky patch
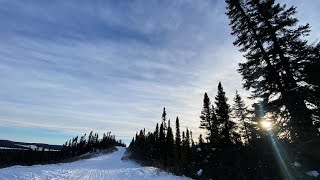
[[69, 67]]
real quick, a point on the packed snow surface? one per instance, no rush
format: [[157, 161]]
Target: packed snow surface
[[106, 166]]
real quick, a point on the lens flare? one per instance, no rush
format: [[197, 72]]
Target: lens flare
[[267, 125]]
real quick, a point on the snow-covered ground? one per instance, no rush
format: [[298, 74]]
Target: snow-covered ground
[[107, 166]]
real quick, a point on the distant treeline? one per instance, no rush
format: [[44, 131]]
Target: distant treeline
[[84, 144], [71, 149], [22, 145], [11, 157]]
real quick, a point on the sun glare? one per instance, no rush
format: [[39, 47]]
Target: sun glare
[[267, 125]]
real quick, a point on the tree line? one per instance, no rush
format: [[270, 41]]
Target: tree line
[[70, 151], [233, 146], [91, 143], [282, 73]]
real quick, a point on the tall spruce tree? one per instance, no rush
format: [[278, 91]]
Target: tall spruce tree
[[178, 139], [183, 138], [240, 112], [205, 122], [162, 144], [223, 116], [215, 127], [208, 120], [156, 133], [157, 142], [187, 139], [170, 144], [164, 119], [276, 55], [162, 135]]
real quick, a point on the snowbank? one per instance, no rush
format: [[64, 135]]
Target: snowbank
[[105, 166]]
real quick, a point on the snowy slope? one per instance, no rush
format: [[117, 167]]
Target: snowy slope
[[107, 166]]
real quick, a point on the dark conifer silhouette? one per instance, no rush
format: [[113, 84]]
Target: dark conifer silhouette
[[164, 119], [170, 145], [227, 132], [178, 140], [281, 71], [241, 113], [276, 54], [209, 120]]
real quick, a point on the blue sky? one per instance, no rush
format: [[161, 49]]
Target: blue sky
[[69, 67]]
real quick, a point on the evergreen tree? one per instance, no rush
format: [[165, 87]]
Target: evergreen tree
[[162, 143], [208, 120], [312, 77], [186, 151], [164, 119], [191, 139], [222, 111], [156, 133], [215, 126], [178, 139], [240, 112], [132, 142], [187, 139], [162, 135], [183, 139], [312, 68], [170, 145], [157, 142], [275, 54]]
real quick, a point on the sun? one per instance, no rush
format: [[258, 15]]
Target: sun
[[267, 125]]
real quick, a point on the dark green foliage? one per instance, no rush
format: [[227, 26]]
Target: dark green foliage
[[312, 73], [276, 60]]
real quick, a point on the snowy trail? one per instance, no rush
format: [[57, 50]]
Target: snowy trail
[[107, 166]]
